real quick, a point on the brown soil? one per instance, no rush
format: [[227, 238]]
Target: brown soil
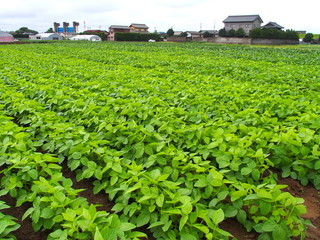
[[25, 232], [237, 230], [308, 193], [311, 197]]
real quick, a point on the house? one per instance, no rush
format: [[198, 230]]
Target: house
[[177, 33], [273, 25], [113, 29], [212, 33], [87, 38], [137, 27], [301, 32], [246, 22], [46, 36], [193, 34]]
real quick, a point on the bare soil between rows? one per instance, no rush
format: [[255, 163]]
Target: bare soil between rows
[[308, 193]]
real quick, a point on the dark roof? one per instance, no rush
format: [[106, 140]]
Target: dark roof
[[138, 25], [209, 31], [273, 25], [193, 32], [242, 18], [119, 27]]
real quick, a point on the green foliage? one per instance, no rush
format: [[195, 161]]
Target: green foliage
[[207, 34], [25, 31], [137, 37], [184, 34], [240, 33], [170, 32], [308, 38], [7, 224], [273, 33], [223, 32], [178, 144], [232, 33]]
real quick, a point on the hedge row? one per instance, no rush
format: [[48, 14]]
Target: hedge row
[[139, 37]]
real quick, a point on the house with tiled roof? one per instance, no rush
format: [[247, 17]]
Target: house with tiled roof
[[246, 22], [273, 25], [137, 27], [117, 28]]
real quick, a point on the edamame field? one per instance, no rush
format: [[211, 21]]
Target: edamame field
[[176, 141]]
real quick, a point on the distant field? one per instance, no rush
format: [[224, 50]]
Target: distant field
[[184, 141], [315, 36]]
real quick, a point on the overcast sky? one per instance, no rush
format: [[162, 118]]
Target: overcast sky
[[158, 15]]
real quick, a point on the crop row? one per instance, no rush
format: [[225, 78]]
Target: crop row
[[30, 176], [285, 129], [168, 163], [175, 205]]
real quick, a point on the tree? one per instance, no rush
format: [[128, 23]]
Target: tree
[[50, 30], [273, 33], [184, 34], [240, 33], [223, 32], [308, 38], [207, 34], [25, 30], [170, 32]]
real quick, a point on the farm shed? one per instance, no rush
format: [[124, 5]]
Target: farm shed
[[46, 36], [87, 38], [6, 37]]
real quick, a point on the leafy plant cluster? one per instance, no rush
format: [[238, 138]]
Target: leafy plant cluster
[[30, 176], [8, 224], [181, 144]]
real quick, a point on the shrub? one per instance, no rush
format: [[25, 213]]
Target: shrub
[[240, 33], [308, 38], [273, 33], [138, 37], [207, 34], [223, 32]]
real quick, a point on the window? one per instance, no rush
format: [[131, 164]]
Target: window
[[39, 38], [247, 25]]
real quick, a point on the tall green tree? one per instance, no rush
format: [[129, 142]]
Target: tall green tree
[[170, 32], [50, 30], [308, 38], [24, 30]]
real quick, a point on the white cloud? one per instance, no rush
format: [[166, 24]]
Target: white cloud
[[160, 14]]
